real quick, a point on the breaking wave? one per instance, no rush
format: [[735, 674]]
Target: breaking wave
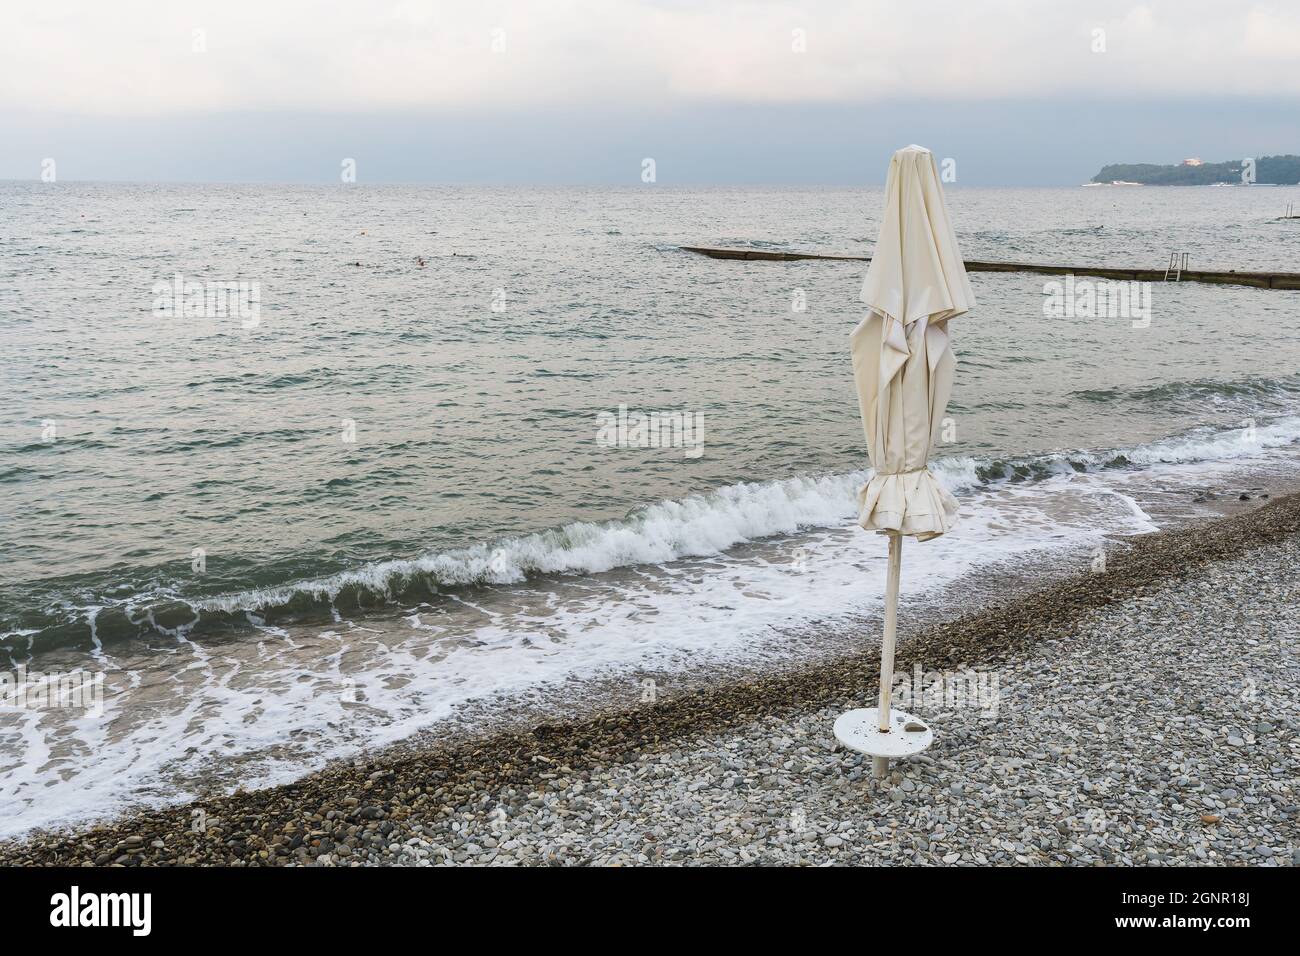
[[655, 534]]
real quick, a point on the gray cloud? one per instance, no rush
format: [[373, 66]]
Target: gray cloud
[[145, 58]]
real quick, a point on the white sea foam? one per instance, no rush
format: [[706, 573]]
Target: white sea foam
[[328, 692], [666, 531], [1220, 445], [712, 523], [677, 585]]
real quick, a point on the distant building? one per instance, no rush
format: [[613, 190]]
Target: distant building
[[1194, 161]]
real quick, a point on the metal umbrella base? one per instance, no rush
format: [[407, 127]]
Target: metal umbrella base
[[860, 730]]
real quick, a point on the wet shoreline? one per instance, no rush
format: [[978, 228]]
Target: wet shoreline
[[411, 781]]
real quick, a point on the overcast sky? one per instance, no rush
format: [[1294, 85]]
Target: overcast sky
[[1019, 91]]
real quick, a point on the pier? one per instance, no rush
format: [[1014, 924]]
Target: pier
[[1261, 280]]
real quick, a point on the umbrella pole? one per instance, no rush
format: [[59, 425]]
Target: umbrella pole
[[880, 765], [884, 734]]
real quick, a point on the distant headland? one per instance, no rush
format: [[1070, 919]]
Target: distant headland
[[1268, 171]]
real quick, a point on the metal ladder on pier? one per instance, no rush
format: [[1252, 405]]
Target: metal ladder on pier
[[1177, 263]]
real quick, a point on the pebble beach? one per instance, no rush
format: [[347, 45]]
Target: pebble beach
[[1146, 714]]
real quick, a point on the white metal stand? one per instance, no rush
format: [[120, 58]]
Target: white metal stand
[[877, 731], [859, 730]]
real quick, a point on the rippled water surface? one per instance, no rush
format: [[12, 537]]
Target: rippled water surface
[[475, 538]]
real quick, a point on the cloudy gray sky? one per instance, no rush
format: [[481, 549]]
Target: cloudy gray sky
[[1019, 91]]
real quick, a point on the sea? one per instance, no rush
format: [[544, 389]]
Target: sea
[[289, 474]]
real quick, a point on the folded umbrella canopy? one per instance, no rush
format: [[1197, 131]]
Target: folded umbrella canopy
[[903, 364]]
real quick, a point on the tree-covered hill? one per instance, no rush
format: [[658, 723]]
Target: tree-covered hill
[[1276, 170]]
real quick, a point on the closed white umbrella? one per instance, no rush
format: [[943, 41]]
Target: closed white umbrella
[[903, 364]]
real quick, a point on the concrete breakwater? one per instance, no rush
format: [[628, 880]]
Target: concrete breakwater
[[1262, 280]]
